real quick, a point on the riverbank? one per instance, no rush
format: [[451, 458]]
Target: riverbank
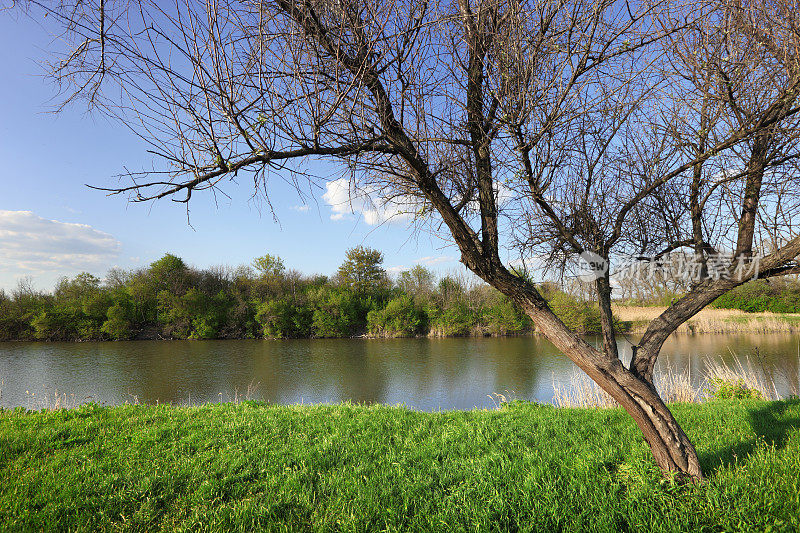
[[711, 320], [629, 319], [239, 467]]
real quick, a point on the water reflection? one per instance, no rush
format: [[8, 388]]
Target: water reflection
[[427, 374]]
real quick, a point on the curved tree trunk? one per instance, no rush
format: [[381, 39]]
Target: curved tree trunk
[[671, 448]]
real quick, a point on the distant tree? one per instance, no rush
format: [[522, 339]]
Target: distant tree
[[270, 266], [362, 271], [417, 282], [117, 278]]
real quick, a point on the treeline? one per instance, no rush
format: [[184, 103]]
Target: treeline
[[759, 295], [780, 295], [172, 300]]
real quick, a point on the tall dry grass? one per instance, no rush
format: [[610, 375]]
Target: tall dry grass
[[581, 392], [51, 401], [712, 320], [746, 374], [674, 385]]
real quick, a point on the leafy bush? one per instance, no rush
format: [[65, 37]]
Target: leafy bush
[[118, 325], [335, 312], [194, 315], [400, 318], [727, 389], [55, 324], [455, 320], [282, 319], [761, 295], [503, 318], [576, 314]]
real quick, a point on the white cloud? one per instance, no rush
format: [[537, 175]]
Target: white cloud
[[299, 208], [30, 244], [346, 202], [396, 269]]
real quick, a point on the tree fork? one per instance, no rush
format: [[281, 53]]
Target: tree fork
[[672, 450]]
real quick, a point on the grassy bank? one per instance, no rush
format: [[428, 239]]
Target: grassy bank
[[353, 468], [712, 320]]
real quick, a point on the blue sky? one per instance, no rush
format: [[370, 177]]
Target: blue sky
[[52, 225]]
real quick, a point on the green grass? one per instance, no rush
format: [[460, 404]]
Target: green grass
[[373, 468]]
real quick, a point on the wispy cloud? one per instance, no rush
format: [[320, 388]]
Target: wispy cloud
[[30, 244], [434, 260], [427, 261], [299, 208]]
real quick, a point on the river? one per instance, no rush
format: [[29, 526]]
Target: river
[[425, 374]]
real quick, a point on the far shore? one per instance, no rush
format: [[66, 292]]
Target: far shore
[[712, 320], [632, 319]]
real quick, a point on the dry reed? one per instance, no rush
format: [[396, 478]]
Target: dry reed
[[674, 386], [745, 374], [581, 392], [712, 320], [51, 401]]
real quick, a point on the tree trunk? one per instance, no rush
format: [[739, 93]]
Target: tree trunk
[[673, 451], [671, 448]]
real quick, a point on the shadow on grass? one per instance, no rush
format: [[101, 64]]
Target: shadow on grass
[[769, 426]]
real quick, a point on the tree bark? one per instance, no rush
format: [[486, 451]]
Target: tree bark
[[672, 450]]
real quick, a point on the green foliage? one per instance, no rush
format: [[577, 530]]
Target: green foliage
[[450, 290], [336, 312], [362, 271], [194, 315], [417, 282], [172, 300], [118, 326], [280, 319], [577, 315], [725, 389], [55, 324], [270, 266], [525, 467], [169, 273], [762, 295], [400, 318], [504, 318], [455, 320]]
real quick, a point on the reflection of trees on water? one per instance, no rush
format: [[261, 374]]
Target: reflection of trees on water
[[427, 374]]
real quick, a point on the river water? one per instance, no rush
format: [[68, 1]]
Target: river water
[[425, 374]]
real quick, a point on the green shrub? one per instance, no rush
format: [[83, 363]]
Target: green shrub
[[725, 389], [503, 318], [455, 320], [55, 324], [577, 315], [281, 319], [118, 325], [400, 318], [335, 312], [760, 295]]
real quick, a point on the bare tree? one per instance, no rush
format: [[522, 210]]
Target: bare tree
[[544, 127]]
